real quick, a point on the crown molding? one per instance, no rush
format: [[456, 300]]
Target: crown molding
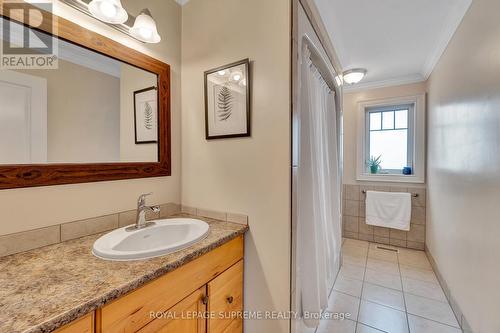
[[398, 81], [452, 20]]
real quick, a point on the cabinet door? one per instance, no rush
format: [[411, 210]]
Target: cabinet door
[[187, 316], [225, 294], [82, 325], [131, 312]]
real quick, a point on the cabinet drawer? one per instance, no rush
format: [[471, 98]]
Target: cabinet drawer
[[225, 294], [131, 312], [82, 325]]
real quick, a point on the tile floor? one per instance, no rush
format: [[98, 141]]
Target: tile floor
[[387, 291]]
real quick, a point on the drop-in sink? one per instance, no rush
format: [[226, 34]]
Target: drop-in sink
[[159, 238]]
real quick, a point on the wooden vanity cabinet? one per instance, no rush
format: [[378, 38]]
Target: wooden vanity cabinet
[[82, 325], [202, 296]]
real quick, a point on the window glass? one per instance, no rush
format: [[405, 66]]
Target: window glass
[[401, 119], [391, 145], [388, 120], [387, 137], [375, 121]]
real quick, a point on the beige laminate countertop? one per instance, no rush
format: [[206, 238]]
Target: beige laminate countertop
[[45, 288]]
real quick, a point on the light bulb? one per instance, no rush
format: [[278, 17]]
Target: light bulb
[[221, 73], [107, 9], [144, 28], [145, 33]]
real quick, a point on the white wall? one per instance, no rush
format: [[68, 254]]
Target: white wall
[[350, 108], [463, 233], [30, 208], [72, 114], [244, 175]]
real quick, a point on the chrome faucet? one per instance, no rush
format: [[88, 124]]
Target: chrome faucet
[[141, 213]]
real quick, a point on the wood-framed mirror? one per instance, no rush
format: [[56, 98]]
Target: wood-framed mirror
[[101, 113]]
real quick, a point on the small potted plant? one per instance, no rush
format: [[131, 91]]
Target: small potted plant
[[374, 164]]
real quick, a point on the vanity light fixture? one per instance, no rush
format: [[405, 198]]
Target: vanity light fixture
[[109, 11], [353, 76], [221, 73], [144, 28]]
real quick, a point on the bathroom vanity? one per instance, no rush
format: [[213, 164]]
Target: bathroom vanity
[[64, 288]]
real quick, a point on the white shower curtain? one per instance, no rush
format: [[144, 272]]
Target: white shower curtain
[[318, 191]]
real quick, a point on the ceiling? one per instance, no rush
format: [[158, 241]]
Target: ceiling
[[397, 41]]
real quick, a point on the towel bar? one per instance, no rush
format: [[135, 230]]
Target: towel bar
[[415, 195]]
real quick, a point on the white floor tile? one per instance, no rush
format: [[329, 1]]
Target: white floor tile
[[384, 296], [424, 289], [383, 318], [353, 271], [336, 326], [356, 242], [366, 329], [383, 266], [355, 251], [415, 259], [383, 279], [430, 309], [422, 325], [344, 304], [352, 260], [418, 274], [348, 286], [380, 254]]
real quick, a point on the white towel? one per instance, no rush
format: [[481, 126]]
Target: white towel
[[388, 209]]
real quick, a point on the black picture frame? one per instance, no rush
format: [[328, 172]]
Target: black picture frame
[[247, 77], [137, 141]]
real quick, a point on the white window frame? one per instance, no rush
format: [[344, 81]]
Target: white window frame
[[416, 139]]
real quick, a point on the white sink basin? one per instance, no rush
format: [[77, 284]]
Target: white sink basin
[[163, 237]]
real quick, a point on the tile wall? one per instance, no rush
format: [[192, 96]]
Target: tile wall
[[354, 226], [32, 239]]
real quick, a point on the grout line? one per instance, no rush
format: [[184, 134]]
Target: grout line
[[437, 322], [362, 286], [404, 298], [377, 329]]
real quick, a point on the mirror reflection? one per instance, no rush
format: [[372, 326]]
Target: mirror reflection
[[89, 109]]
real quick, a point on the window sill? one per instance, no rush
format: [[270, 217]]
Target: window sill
[[390, 178]]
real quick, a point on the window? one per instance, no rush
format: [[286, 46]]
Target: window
[[389, 135], [394, 130]]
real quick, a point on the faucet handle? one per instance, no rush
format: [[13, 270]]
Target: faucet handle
[[142, 198]]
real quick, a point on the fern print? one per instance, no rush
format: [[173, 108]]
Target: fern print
[[148, 116], [225, 103]]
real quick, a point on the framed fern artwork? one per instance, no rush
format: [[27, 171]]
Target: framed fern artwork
[[146, 115], [227, 101]]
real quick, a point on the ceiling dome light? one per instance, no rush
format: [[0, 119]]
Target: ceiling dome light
[[109, 11], [144, 28], [353, 76]]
